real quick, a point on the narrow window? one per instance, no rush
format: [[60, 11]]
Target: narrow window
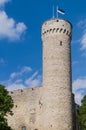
[[64, 31], [67, 32], [21, 90], [57, 20], [61, 30], [60, 43], [57, 29], [16, 106], [23, 128]]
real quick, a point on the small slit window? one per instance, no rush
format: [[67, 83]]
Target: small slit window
[[57, 29], [61, 30], [57, 20], [16, 106], [21, 90], [64, 30], [60, 43], [50, 29], [67, 32]]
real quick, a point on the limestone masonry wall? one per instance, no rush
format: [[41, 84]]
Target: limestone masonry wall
[[56, 36], [48, 107], [27, 109]]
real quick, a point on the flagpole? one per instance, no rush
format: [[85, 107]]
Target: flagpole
[[57, 11], [53, 12]]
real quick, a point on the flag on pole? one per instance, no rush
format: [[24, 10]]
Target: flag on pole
[[60, 11]]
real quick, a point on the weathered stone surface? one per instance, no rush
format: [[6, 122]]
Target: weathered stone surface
[[48, 107]]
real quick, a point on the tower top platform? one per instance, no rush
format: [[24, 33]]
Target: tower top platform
[[56, 26], [50, 21]]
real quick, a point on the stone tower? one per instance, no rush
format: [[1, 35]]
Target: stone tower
[[48, 107], [57, 98]]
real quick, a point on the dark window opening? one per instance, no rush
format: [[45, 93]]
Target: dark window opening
[[64, 30], [57, 20], [61, 30], [60, 43], [36, 129], [57, 29], [16, 106], [23, 128], [67, 32], [50, 29]]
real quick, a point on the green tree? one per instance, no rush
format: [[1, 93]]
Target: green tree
[[6, 104], [82, 114]]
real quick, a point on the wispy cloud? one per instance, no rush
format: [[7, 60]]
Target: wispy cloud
[[34, 80], [24, 78], [79, 89], [83, 41], [23, 70], [2, 61], [82, 24], [75, 62]]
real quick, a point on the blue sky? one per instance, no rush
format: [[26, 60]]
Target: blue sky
[[21, 45]]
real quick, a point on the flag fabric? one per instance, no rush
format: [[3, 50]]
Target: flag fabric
[[60, 11]]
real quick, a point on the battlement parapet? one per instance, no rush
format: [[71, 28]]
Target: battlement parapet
[[23, 91], [56, 26]]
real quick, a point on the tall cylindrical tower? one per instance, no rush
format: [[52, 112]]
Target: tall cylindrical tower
[[57, 99]]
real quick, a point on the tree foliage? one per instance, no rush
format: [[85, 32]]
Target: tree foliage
[[82, 114], [6, 104]]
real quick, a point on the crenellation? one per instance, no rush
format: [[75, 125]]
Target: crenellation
[[56, 30]]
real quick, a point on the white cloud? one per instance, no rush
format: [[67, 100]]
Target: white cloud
[[79, 96], [23, 79], [3, 2], [79, 89], [9, 28]]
